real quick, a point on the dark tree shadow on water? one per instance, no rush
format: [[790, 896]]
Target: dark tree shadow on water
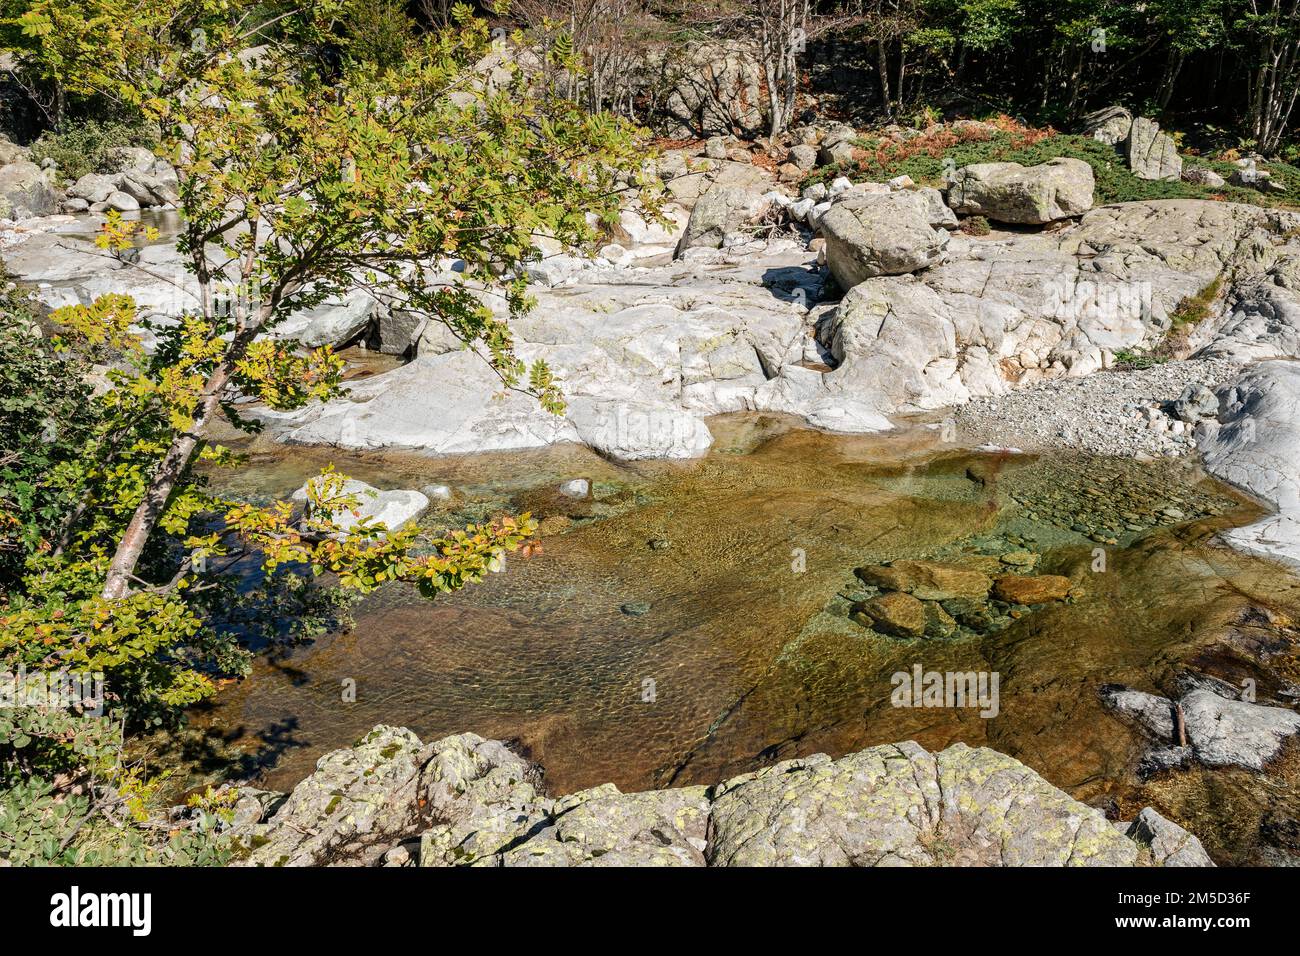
[[228, 752]]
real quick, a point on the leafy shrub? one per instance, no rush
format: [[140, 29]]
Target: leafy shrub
[[45, 417], [1137, 359], [40, 826], [379, 33], [84, 146]]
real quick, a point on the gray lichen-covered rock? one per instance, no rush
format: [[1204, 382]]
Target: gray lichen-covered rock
[[1109, 125], [357, 803], [877, 234], [1030, 195], [1153, 714], [603, 827], [1151, 153], [720, 211], [334, 322], [899, 805], [1203, 176], [1255, 445], [466, 801], [1195, 403], [1220, 731], [363, 800], [483, 799], [26, 190], [1169, 843]]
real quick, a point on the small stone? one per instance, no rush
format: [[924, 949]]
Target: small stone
[[576, 488], [895, 613], [938, 622], [927, 580], [1019, 559], [883, 577], [1035, 589]]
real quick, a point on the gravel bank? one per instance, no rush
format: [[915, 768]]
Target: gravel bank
[[1111, 412]]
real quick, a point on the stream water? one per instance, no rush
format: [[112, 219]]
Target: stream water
[[690, 621]]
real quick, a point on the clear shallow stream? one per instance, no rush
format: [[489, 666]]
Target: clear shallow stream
[[741, 658]]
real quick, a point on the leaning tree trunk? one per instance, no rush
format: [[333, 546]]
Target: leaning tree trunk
[[171, 470]]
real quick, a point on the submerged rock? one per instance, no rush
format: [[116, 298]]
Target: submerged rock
[[466, 801], [576, 488], [927, 580], [894, 613], [1031, 589]]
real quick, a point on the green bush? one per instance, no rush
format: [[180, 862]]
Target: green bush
[[378, 36], [40, 826], [83, 147], [45, 416]]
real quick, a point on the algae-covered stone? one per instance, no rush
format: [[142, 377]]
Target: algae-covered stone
[[927, 580], [1031, 589], [938, 622], [976, 615], [893, 613]]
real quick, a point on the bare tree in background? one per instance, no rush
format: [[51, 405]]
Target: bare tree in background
[[613, 38], [435, 13], [774, 33]]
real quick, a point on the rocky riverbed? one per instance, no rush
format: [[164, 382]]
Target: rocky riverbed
[[768, 391], [1131, 412]]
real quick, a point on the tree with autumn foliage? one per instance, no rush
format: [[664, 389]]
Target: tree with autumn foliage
[[300, 181]]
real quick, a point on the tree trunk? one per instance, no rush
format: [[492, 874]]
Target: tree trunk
[[170, 471], [882, 70], [1173, 66]]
